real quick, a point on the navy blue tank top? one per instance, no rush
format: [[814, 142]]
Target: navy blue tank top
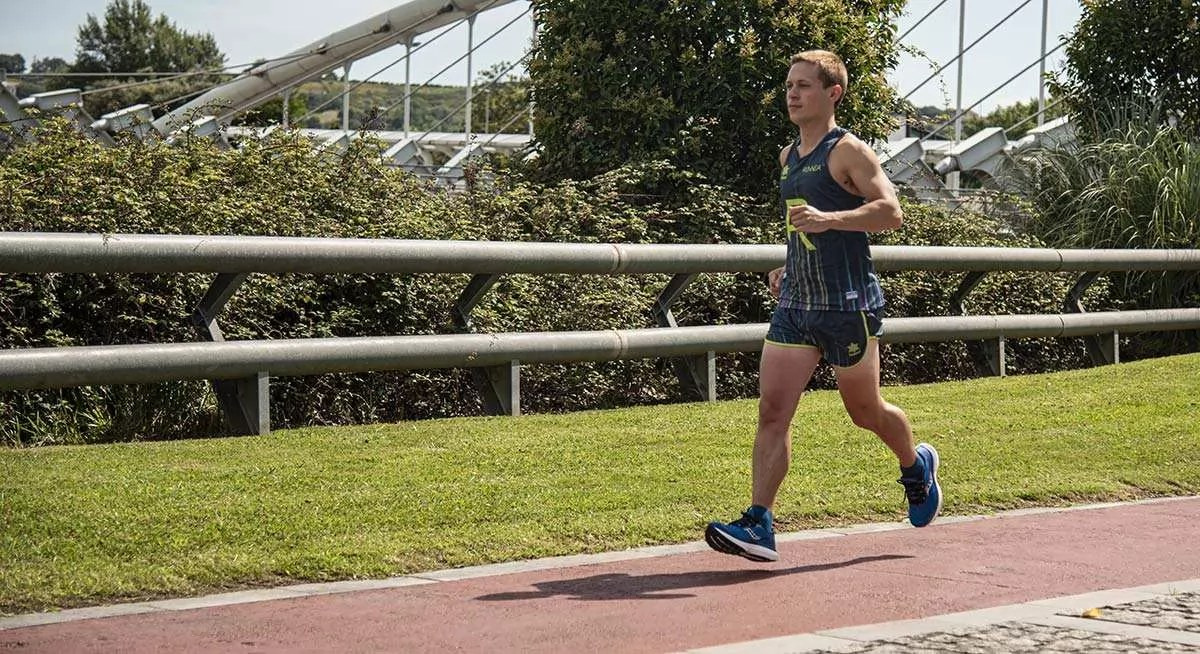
[[832, 270]]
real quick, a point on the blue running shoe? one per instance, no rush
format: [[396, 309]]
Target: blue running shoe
[[752, 536], [924, 494]]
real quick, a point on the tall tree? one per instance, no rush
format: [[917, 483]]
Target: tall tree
[[502, 100], [131, 40], [49, 65], [1147, 52], [12, 63], [696, 82]]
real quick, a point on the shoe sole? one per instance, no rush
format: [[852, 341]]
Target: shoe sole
[[726, 544], [936, 462]]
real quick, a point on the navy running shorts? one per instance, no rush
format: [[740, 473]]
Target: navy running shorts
[[841, 336]]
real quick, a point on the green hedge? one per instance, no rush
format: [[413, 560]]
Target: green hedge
[[280, 186]]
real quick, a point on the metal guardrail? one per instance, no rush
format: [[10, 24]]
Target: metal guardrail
[[240, 370], [91, 253]]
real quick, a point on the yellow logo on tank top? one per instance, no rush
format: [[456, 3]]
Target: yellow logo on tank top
[[791, 229], [812, 168]]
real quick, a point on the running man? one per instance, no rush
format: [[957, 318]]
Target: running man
[[830, 305]]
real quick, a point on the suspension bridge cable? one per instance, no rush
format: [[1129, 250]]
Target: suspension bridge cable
[[455, 110], [277, 61], [448, 29], [918, 23], [990, 94], [1033, 115], [455, 62], [964, 50]]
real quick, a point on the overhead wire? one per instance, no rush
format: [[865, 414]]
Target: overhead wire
[[964, 50], [990, 94], [408, 53], [464, 56], [922, 20]]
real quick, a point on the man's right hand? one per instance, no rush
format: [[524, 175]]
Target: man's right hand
[[773, 279]]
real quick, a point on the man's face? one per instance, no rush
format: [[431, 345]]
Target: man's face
[[807, 99]]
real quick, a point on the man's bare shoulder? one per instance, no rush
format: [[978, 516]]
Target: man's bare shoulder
[[783, 155], [853, 147]]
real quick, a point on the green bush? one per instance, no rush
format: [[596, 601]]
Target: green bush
[[280, 186], [1137, 185]]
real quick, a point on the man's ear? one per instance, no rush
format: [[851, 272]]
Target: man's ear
[[838, 95]]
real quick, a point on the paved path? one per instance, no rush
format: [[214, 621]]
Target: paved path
[[874, 588]]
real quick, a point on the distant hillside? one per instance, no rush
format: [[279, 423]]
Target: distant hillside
[[381, 106]]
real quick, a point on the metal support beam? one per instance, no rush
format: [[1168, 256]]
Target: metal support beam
[[1041, 115], [408, 45], [205, 315], [68, 103], [1100, 349], [988, 355], [245, 402], [470, 87], [969, 282], [476, 288], [697, 374], [1110, 346], [500, 386], [346, 97], [504, 383], [1073, 303]]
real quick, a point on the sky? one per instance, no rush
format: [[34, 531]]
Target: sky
[[247, 30]]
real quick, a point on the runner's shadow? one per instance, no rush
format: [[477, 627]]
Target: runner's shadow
[[619, 585]]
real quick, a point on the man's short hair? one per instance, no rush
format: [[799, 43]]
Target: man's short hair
[[830, 69]]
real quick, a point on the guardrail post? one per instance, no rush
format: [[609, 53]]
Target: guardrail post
[[1101, 350], [504, 384], [697, 374], [246, 402], [988, 355], [500, 386], [1110, 346]]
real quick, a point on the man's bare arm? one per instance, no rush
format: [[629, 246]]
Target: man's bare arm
[[854, 165]]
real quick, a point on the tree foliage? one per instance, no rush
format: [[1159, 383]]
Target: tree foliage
[[1124, 50], [65, 182], [501, 101], [49, 65], [131, 40], [698, 83], [1017, 117], [12, 63]]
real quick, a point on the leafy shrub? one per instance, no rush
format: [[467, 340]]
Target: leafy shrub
[[280, 186]]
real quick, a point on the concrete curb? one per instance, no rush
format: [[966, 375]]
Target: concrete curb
[[1061, 612]]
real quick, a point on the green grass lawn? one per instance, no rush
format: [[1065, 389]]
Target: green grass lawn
[[85, 525]]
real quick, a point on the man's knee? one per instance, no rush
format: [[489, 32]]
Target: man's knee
[[773, 415], [867, 416]]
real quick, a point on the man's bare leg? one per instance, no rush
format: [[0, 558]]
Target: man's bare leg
[[859, 388], [784, 372]]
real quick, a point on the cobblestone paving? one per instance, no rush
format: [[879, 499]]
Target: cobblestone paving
[[1017, 638], [1180, 612]]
